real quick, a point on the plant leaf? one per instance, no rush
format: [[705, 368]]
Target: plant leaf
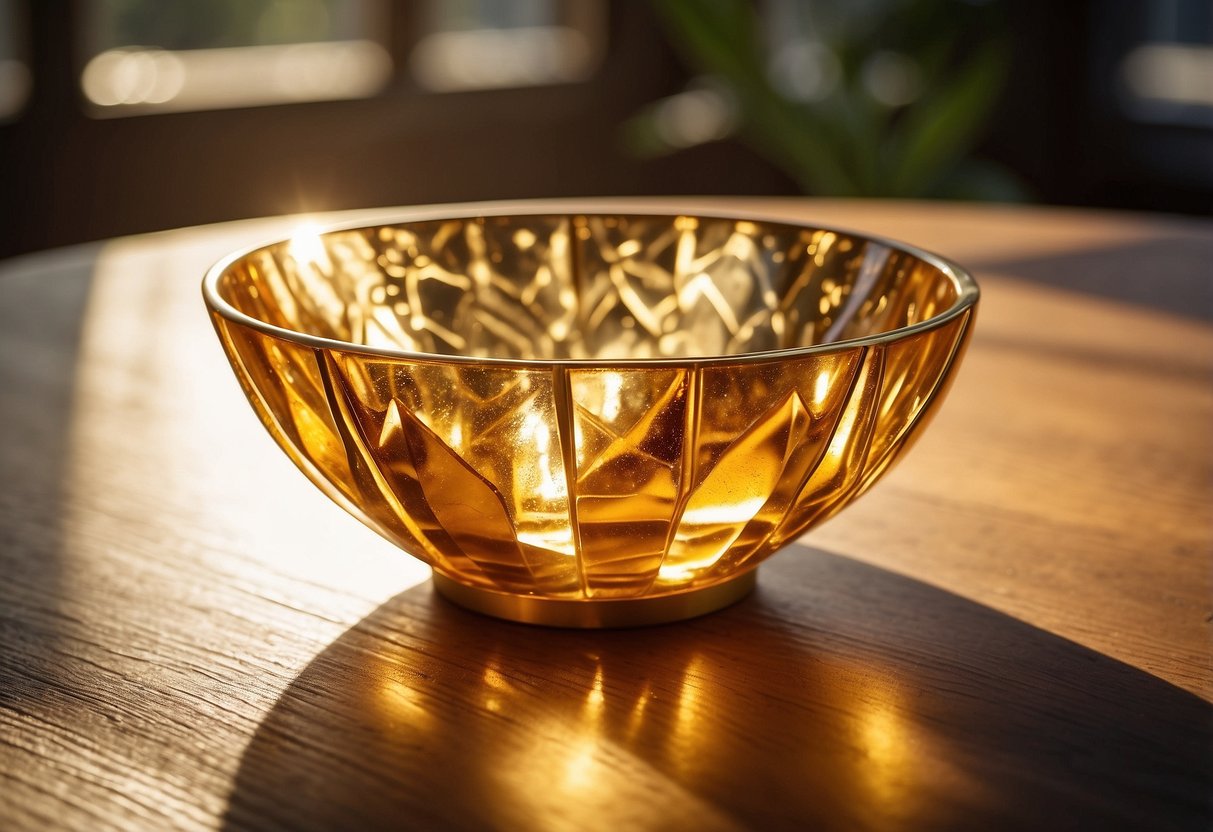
[[938, 131]]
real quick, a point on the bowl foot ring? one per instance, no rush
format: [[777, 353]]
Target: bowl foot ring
[[607, 612]]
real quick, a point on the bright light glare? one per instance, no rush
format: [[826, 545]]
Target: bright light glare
[[306, 247]]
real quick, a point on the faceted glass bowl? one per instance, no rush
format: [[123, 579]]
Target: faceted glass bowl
[[591, 419]]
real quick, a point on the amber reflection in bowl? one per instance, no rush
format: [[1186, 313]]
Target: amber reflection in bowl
[[591, 419]]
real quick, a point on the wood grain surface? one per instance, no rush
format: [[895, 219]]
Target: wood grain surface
[[1011, 631]]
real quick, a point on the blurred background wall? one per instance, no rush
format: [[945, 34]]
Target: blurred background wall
[[123, 116]]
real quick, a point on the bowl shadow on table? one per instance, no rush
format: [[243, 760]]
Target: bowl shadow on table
[[1166, 273], [839, 695]]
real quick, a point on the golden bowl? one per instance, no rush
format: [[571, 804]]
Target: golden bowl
[[591, 419]]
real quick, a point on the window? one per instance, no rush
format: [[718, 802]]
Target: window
[[163, 114], [486, 44], [1167, 77], [148, 56]]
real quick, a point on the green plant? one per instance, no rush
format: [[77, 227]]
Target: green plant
[[871, 98]]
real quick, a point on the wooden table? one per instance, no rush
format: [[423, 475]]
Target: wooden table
[[1012, 630]]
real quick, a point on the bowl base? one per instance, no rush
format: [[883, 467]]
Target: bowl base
[[608, 612]]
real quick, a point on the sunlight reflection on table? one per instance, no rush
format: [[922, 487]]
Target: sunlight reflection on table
[[142, 334]]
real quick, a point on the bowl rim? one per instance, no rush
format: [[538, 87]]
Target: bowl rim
[[968, 292]]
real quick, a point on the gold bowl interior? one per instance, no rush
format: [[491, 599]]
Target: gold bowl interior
[[582, 408]]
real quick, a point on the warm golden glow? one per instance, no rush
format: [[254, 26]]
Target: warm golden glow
[[636, 717], [595, 698], [494, 680], [579, 768], [497, 689], [405, 704], [598, 480], [685, 738], [889, 770], [882, 740]]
